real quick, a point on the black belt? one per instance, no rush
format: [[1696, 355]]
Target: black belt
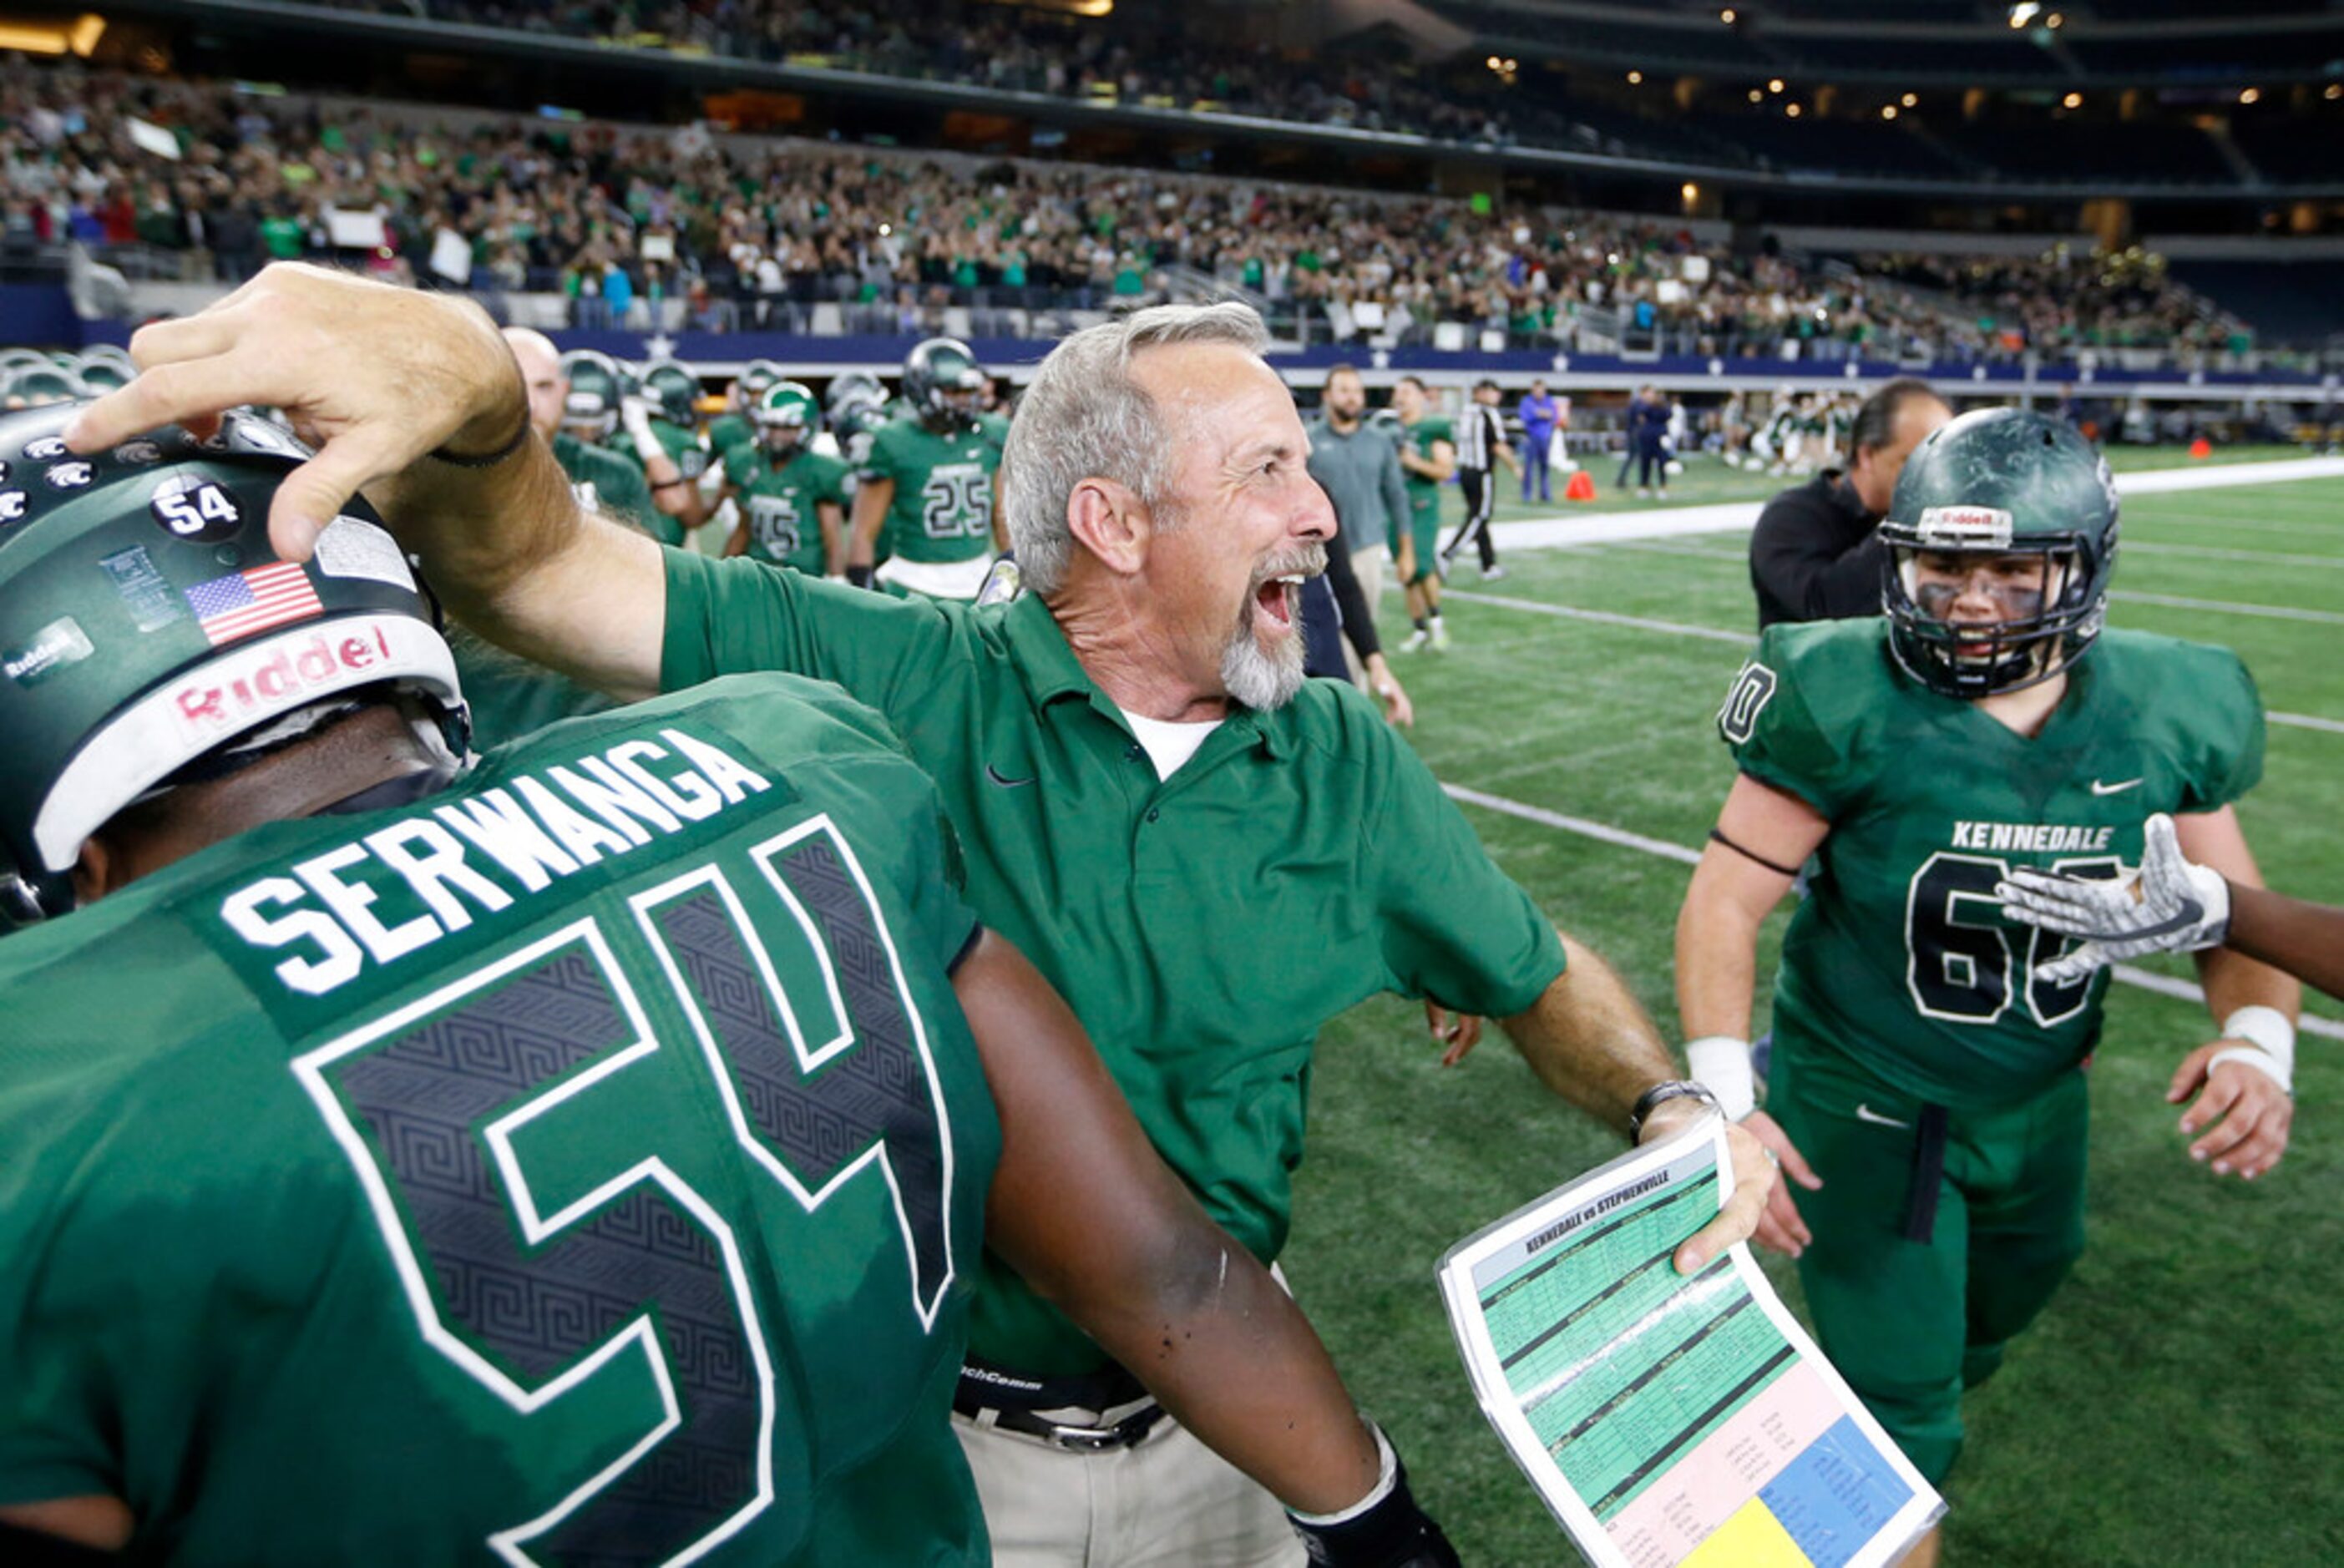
[[1032, 1406]]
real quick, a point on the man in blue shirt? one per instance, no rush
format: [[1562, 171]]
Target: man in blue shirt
[[1540, 415]]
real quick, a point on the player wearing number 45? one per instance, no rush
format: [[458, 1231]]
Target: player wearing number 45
[[1926, 1094], [575, 1153]]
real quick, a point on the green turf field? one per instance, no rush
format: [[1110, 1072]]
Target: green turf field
[[2182, 1403], [1707, 479]]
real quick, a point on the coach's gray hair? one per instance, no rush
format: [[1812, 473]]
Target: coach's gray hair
[[1083, 416]]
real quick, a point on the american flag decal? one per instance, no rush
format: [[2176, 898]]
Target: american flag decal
[[253, 600]]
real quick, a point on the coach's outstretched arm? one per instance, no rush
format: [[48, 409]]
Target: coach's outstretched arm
[[380, 379], [1590, 1041], [1086, 1210]]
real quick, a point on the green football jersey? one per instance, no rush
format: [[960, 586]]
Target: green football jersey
[[583, 1163], [1424, 494], [1901, 955], [780, 506], [733, 440], [943, 510], [608, 482]]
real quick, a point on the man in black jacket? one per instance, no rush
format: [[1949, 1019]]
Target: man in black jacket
[[1813, 555]]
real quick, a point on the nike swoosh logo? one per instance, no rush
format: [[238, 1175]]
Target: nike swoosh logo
[[1865, 1113], [2188, 915], [2099, 788], [998, 777]]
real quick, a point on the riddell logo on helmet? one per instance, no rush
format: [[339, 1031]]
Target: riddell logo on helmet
[[234, 694]]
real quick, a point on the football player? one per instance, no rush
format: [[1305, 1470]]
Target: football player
[[732, 434], [1926, 1091], [560, 410], [580, 1152], [2170, 906], [926, 512], [792, 498], [1428, 459], [672, 392], [602, 409]]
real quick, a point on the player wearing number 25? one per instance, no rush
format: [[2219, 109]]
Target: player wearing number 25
[[1925, 1094], [579, 1153]]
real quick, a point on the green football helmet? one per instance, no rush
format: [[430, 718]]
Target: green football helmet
[[751, 383], [38, 386], [673, 391], [787, 417], [942, 381], [854, 387], [15, 359], [149, 635], [596, 387], [1997, 482]]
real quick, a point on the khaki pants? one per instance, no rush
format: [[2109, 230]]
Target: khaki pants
[[1168, 1502]]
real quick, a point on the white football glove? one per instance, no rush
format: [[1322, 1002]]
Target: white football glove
[[2168, 906]]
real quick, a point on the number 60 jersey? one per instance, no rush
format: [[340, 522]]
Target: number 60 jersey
[[585, 1163], [1901, 955]]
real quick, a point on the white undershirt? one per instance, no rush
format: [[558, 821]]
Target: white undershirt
[[1169, 744]]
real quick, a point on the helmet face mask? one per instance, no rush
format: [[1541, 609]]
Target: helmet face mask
[[943, 382], [2007, 520], [675, 390], [787, 418], [147, 629], [591, 410]]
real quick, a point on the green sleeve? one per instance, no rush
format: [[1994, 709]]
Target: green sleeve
[[691, 457], [1453, 927], [731, 617], [54, 1408], [833, 481], [1774, 735], [623, 490], [887, 460], [2223, 747]]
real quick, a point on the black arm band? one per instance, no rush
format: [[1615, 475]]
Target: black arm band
[[1717, 837], [486, 459], [670, 483]]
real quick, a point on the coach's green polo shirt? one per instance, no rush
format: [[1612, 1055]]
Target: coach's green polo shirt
[[1203, 927]]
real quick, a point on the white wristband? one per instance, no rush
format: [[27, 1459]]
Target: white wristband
[[1721, 1064], [1391, 1473], [2269, 1047]]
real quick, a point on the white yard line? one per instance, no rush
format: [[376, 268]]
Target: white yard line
[[2225, 607], [2163, 985], [2212, 552]]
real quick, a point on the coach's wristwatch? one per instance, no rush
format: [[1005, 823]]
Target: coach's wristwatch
[[1659, 1095]]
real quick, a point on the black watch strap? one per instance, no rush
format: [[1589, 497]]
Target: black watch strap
[[1659, 1095]]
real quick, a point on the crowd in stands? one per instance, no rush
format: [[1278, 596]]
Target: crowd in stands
[[2071, 300], [683, 228]]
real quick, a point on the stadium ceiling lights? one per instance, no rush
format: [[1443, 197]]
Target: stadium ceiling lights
[[2335, 90], [1636, 78], [1776, 86], [2072, 101], [2252, 96], [2022, 12], [1911, 100], [1888, 111], [1726, 15], [78, 36]]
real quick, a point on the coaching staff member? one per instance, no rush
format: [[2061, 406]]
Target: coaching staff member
[[1813, 555], [1207, 855]]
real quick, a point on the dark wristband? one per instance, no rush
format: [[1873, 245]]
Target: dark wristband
[[1394, 1533], [860, 576], [487, 460]]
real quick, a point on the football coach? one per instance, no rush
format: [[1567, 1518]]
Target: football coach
[[1207, 855]]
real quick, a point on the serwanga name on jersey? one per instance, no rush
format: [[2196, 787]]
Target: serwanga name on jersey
[[2031, 837], [538, 826]]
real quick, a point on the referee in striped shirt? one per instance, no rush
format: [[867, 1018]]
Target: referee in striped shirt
[[1481, 437]]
